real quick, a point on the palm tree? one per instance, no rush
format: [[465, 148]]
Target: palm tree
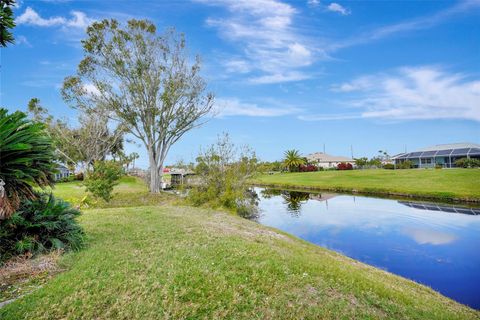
[[26, 160], [133, 157], [293, 160]]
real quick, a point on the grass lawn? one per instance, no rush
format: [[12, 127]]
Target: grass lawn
[[129, 192], [446, 184], [174, 262]]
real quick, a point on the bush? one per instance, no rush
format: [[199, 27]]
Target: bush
[[389, 166], [223, 172], [467, 163], [407, 164], [101, 180], [344, 166], [26, 160], [40, 225], [308, 168], [66, 179], [79, 176]]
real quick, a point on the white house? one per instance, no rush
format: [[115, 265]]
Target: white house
[[328, 161], [62, 172]]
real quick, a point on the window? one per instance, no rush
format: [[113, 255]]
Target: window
[[426, 160]]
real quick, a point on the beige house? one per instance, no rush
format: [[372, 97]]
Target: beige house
[[328, 161]]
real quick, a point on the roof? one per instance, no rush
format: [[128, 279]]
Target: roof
[[183, 172], [443, 150], [462, 145], [324, 157], [61, 166]]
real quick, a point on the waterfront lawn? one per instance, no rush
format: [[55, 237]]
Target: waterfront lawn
[[445, 184], [129, 192], [175, 262]]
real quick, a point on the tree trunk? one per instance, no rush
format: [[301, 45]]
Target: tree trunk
[[156, 172], [155, 180]]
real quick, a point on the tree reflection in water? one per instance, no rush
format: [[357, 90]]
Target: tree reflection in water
[[292, 199]]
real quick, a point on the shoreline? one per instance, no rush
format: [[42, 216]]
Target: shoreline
[[376, 193]]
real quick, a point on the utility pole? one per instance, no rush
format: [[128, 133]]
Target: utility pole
[[351, 150]]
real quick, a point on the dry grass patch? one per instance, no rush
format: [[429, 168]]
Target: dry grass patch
[[23, 274]]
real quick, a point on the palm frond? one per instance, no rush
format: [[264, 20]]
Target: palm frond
[[26, 160]]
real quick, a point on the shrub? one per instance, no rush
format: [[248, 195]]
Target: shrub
[[101, 180], [407, 164], [344, 166], [223, 171], [79, 176], [66, 179], [40, 225], [26, 160], [467, 163], [389, 166], [308, 168]]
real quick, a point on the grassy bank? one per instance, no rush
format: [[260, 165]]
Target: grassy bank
[[183, 262], [450, 185], [129, 192]]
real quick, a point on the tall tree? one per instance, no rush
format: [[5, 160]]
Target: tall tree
[[93, 140], [143, 80], [7, 22]]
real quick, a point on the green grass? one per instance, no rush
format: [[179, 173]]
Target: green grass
[[447, 184], [181, 262], [130, 192]]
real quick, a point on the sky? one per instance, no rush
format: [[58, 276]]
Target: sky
[[346, 76]]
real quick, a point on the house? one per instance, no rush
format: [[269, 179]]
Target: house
[[443, 155], [62, 172], [326, 161]]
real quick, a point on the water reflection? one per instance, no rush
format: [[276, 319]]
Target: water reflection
[[440, 207], [434, 244], [294, 199]]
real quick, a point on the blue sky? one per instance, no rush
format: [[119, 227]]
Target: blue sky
[[286, 74]]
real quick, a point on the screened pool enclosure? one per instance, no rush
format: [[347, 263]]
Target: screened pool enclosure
[[444, 155]]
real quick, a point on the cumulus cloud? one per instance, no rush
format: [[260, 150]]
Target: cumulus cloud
[[272, 49], [425, 92], [31, 17], [234, 107], [335, 7]]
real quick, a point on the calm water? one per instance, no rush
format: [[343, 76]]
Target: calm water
[[435, 245]]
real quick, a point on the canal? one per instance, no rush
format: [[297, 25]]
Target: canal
[[435, 244]]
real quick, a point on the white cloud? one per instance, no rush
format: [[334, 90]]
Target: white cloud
[[22, 40], [335, 7], [91, 89], [313, 3], [237, 65], [271, 47], [18, 4], [279, 77], [31, 17], [415, 24], [234, 107], [79, 20], [411, 93]]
